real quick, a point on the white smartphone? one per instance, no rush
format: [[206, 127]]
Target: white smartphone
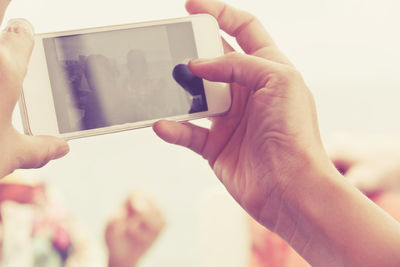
[[108, 79]]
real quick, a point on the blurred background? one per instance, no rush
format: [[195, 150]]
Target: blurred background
[[348, 53]]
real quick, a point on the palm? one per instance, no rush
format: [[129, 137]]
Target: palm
[[233, 161], [226, 137], [226, 128], [247, 141]]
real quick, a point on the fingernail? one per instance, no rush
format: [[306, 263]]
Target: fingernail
[[62, 150], [19, 25]]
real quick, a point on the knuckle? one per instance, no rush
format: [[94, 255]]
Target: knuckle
[[19, 162], [284, 77], [248, 19], [289, 74], [45, 158], [35, 160]]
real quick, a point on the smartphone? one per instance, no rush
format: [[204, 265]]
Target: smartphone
[[108, 79]]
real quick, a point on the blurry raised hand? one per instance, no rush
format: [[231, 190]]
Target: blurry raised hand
[[134, 229], [371, 163], [18, 150]]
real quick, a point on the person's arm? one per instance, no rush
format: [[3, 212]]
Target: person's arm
[[268, 153], [18, 150], [331, 223]]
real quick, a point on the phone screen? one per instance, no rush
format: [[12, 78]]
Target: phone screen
[[122, 76]]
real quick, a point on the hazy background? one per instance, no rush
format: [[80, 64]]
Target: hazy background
[[347, 50]]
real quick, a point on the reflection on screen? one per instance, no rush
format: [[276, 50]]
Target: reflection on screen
[[123, 76]]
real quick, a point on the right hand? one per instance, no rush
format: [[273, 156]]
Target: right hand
[[18, 150], [267, 152], [269, 140]]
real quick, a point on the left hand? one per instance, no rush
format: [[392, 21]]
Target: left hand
[[18, 150]]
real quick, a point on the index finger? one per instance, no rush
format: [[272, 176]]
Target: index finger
[[246, 28]]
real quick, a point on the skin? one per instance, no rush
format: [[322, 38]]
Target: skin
[[268, 153], [371, 163], [131, 232], [18, 150], [266, 150]]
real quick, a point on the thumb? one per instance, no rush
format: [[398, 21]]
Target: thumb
[[183, 134], [16, 43], [18, 36], [246, 70], [37, 151]]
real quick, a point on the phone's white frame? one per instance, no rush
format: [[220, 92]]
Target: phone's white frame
[[37, 105]]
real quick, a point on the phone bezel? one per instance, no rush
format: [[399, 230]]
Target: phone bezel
[[37, 105]]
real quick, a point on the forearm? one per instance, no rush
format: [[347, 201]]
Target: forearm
[[330, 223]]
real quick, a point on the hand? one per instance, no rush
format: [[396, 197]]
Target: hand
[[270, 135], [18, 150], [267, 152], [131, 233], [371, 163]]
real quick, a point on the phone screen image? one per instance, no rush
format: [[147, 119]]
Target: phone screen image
[[115, 77]]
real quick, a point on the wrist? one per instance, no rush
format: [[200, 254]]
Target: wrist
[[331, 223], [310, 203], [302, 200], [293, 207], [297, 182]]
